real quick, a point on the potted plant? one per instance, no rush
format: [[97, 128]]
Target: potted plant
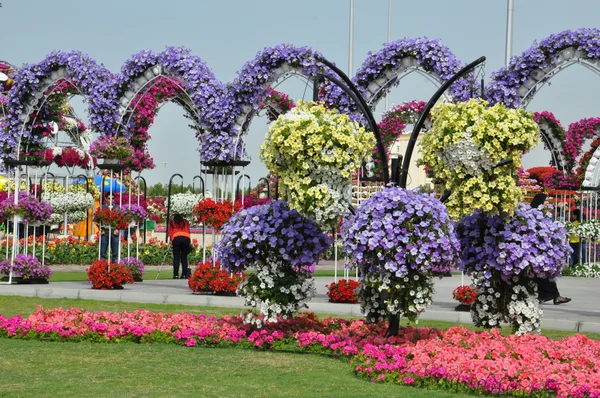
[[29, 210], [136, 266], [343, 291], [211, 279], [215, 214], [466, 296], [26, 268], [107, 277], [111, 151], [68, 157], [111, 218], [183, 203]]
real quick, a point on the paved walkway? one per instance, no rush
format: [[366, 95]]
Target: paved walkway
[[582, 314]]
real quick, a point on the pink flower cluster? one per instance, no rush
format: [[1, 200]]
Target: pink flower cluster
[[480, 361]]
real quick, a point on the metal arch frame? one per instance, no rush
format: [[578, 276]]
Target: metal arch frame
[[242, 122], [542, 82], [374, 98], [555, 152], [594, 181], [37, 106], [128, 110]]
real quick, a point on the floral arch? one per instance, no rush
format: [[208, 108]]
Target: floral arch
[[173, 74], [32, 86], [553, 136], [516, 84], [248, 91], [383, 70]]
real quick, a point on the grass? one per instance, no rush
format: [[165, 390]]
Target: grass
[[50, 369]]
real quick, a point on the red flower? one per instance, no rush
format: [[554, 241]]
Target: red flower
[[212, 279], [215, 214], [103, 278], [465, 294], [343, 291]]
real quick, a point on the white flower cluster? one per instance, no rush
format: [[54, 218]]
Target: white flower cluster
[[270, 291], [67, 202], [587, 270], [468, 155], [407, 296], [337, 190], [589, 230], [521, 308], [183, 203], [524, 311], [72, 217]]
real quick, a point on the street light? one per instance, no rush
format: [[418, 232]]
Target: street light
[[165, 173]]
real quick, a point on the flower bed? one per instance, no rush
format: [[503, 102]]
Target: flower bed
[[458, 359]]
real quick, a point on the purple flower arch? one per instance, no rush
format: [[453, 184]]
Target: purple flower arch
[[31, 83], [203, 91], [516, 84], [247, 92], [381, 70]]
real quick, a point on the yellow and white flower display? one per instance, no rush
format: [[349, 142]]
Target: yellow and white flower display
[[466, 142], [314, 150]]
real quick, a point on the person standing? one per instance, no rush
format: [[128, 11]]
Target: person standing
[[109, 234], [574, 239], [179, 234]]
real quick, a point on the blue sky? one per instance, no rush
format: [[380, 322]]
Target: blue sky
[[228, 33]]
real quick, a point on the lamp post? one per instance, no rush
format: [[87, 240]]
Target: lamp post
[[165, 172]]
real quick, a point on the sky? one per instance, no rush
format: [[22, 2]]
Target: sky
[[228, 33]]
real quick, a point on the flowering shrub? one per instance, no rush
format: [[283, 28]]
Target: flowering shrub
[[343, 291], [589, 229], [465, 143], [25, 266], [111, 147], [209, 278], [456, 359], [313, 151], [587, 270], [283, 246], [106, 276], [215, 214], [464, 294], [135, 266], [29, 208], [504, 254], [114, 218], [397, 238]]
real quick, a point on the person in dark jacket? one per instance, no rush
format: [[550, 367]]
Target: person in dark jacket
[[179, 234]]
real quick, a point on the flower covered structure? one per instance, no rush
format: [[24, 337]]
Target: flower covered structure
[[504, 254], [314, 151], [283, 246], [25, 266], [464, 148], [396, 239]]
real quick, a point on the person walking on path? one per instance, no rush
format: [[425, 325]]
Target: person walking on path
[[179, 234]]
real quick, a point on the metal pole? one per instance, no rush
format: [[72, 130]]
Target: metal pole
[[351, 40], [389, 38], [510, 13]]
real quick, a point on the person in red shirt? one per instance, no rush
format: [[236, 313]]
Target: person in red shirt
[[179, 234]]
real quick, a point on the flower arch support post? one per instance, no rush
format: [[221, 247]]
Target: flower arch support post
[[415, 134]]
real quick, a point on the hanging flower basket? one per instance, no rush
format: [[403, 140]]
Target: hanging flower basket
[[111, 218], [29, 210], [105, 279]]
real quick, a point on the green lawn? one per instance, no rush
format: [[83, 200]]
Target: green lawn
[[50, 369]]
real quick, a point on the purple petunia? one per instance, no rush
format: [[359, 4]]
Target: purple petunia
[[529, 244], [271, 233]]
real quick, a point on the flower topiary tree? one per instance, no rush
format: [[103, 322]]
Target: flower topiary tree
[[283, 246], [504, 255], [397, 238]]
